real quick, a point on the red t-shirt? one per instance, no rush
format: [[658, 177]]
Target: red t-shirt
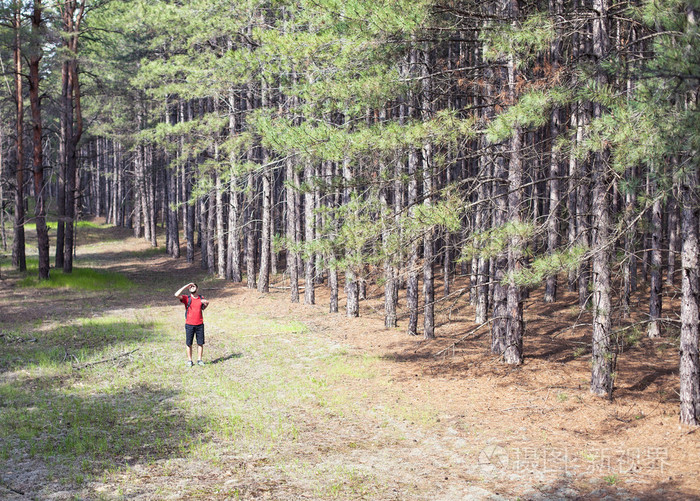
[[194, 312]]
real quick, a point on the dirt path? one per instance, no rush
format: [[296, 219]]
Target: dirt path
[[302, 404]]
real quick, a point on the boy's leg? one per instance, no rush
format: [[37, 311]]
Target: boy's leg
[[200, 340], [189, 335]]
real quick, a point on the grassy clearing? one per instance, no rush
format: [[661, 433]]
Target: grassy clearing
[[265, 380], [80, 278]]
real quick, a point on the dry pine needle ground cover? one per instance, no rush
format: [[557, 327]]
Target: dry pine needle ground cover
[[297, 403]]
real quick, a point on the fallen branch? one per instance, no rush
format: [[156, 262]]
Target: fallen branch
[[90, 364], [463, 338]]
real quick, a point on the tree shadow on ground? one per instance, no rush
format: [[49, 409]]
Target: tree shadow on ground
[[71, 435], [613, 486], [70, 343], [226, 358]]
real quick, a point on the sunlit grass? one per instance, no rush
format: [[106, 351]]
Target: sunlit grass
[[53, 225], [92, 410], [80, 278]]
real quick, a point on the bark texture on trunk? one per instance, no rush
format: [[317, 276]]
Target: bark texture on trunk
[[19, 259], [602, 354], [309, 227], [690, 303]]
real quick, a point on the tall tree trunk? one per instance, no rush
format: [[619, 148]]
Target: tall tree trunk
[[151, 195], [550, 294], [203, 227], [602, 355], [265, 241], [630, 265], [309, 219], [571, 228], [291, 231], [72, 15], [42, 232], [481, 270], [672, 210], [656, 284], [412, 265], [389, 273], [513, 352], [211, 231], [250, 233], [690, 285], [221, 246], [19, 259], [352, 290], [233, 264], [3, 233], [499, 327], [332, 258], [428, 239], [690, 301]]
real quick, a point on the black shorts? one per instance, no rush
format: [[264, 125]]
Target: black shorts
[[191, 330]]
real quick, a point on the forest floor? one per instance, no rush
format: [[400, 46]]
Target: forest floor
[[296, 403]]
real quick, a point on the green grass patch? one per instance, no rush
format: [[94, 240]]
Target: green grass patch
[[80, 278], [53, 225]]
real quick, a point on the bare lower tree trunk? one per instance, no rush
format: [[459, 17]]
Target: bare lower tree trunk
[[333, 284], [571, 199], [42, 231], [189, 216], [352, 289], [389, 272], [3, 233], [428, 239], [221, 247], [630, 265], [672, 210], [513, 353], [690, 303], [499, 327], [151, 196], [550, 294], [250, 233], [211, 232], [19, 259], [412, 266], [481, 270], [309, 227], [233, 262], [656, 284], [582, 226], [690, 298], [602, 356], [332, 265], [291, 232], [265, 241]]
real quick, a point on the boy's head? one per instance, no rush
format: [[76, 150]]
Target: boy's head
[[193, 288]]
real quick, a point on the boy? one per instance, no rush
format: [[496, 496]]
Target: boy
[[194, 322]]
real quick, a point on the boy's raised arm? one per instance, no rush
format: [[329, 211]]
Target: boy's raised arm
[[179, 292]]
